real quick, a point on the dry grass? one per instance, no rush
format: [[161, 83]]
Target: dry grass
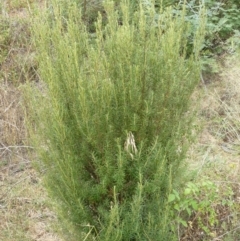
[[24, 212], [11, 121], [219, 141], [216, 154], [16, 55]]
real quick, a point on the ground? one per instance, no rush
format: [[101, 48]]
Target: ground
[[215, 155], [25, 212]]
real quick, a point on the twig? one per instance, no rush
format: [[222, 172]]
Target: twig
[[7, 147], [228, 182], [203, 82], [10, 124], [218, 238], [204, 158], [9, 106], [11, 187], [16, 164]]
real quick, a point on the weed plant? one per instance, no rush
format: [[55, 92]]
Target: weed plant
[[200, 207], [4, 38], [110, 118], [223, 23]]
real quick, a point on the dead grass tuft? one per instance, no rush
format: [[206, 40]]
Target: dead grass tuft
[[24, 212], [216, 154], [18, 60], [12, 129]]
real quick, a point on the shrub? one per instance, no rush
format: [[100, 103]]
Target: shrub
[[110, 121], [223, 22]]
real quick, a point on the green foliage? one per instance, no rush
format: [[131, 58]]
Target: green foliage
[[198, 201], [110, 120], [222, 28], [223, 21], [4, 38]]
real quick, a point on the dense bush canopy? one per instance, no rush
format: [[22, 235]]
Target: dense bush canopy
[[111, 121]]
